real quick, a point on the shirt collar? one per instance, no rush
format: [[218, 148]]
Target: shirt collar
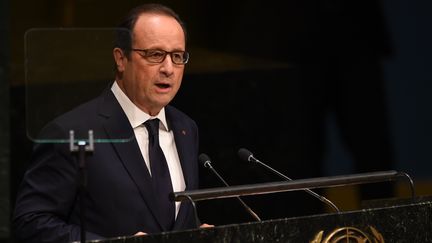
[[134, 114]]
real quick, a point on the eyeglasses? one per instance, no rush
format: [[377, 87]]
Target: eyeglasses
[[158, 56]]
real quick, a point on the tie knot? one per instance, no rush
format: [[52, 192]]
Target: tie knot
[[152, 127]]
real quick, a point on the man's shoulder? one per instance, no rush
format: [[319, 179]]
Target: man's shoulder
[[80, 113], [177, 114], [83, 117]]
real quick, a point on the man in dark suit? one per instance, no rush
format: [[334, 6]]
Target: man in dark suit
[[121, 196]]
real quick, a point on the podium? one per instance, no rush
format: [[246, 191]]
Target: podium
[[387, 220], [408, 222]]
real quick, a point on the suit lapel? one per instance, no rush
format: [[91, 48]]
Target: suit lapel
[[183, 139], [118, 127]]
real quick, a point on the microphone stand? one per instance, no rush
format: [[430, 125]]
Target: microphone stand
[[81, 148], [251, 212], [319, 197]]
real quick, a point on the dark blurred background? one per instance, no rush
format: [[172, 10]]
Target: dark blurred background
[[313, 88]]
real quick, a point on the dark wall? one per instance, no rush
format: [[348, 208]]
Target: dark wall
[[336, 50], [4, 121], [408, 77]]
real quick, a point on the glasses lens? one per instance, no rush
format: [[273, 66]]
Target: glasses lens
[[180, 57], [155, 56]]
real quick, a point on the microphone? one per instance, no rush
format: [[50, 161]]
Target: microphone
[[247, 155], [205, 161]]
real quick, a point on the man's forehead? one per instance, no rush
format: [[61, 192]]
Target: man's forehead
[[155, 23], [150, 18]]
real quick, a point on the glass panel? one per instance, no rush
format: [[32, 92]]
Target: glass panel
[[66, 68]]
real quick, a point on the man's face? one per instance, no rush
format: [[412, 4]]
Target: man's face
[[151, 86]]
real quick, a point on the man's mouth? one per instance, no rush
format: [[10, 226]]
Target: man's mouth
[[163, 86]]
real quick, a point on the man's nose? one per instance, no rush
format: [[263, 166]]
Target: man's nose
[[167, 66]]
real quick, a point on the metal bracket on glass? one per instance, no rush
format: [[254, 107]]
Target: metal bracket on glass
[[89, 146]]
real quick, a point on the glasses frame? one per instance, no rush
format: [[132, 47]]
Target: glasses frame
[[143, 53]]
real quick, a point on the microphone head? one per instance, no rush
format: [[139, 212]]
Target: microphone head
[[245, 154], [204, 160]]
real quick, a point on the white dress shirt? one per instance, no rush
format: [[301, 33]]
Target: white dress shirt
[[136, 118]]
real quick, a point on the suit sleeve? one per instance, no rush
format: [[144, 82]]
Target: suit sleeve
[[48, 194]]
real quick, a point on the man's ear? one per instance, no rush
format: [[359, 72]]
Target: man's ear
[[120, 59]]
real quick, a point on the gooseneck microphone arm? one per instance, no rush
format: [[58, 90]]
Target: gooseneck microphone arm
[[246, 155], [205, 160]]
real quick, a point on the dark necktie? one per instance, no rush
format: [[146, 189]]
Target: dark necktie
[[160, 175]]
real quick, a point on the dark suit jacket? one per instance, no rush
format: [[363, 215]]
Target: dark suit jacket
[[118, 200]]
